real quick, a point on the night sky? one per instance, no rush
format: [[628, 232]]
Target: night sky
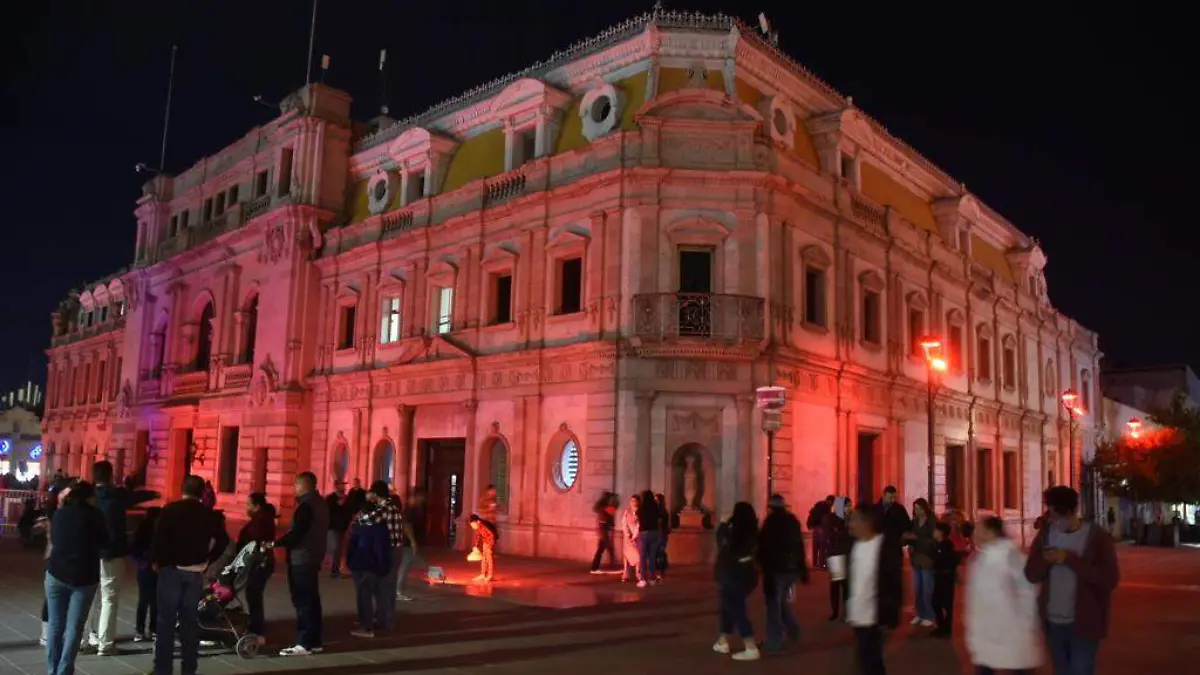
[[1072, 126]]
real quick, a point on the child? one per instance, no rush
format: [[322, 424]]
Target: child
[[147, 578], [485, 538], [945, 577]]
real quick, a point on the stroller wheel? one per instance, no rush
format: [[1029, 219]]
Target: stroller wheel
[[247, 646]]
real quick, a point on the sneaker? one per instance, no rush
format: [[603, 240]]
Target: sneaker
[[42, 641], [641, 584], [479, 578], [364, 634], [402, 597], [108, 651], [597, 572], [915, 620], [721, 646], [750, 653], [296, 650], [141, 637], [926, 623]]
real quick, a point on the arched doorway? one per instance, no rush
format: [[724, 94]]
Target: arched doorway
[[385, 462], [204, 338]]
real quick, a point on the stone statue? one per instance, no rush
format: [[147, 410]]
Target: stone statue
[[692, 483]]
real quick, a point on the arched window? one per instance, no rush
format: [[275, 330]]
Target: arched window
[[341, 463], [497, 468], [566, 464], [250, 330], [204, 338], [385, 461], [1085, 389]]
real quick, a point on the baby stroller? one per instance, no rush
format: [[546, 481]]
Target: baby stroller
[[225, 595]]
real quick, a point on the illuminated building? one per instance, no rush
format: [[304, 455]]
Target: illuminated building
[[571, 280], [20, 444]]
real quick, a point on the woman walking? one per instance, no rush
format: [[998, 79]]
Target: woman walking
[[836, 529], [736, 577], [77, 535], [1001, 618], [649, 536], [631, 530], [921, 545], [261, 529]]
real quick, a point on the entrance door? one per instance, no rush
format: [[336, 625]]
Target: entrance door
[[955, 483], [445, 463], [868, 491], [695, 291]]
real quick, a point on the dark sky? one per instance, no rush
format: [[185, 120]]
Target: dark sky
[[1072, 126]]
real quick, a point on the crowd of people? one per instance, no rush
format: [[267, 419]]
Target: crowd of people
[[1058, 595]]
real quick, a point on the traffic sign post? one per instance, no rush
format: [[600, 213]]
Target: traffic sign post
[[771, 400]]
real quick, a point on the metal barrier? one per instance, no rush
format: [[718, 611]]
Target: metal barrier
[[12, 503]]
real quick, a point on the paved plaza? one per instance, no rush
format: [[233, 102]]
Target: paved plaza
[[553, 617]]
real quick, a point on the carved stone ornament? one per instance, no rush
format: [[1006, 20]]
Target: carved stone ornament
[[124, 400], [265, 384], [275, 243]]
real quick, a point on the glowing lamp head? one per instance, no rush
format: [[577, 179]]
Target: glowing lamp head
[[938, 364], [930, 343], [1069, 397], [1135, 427]]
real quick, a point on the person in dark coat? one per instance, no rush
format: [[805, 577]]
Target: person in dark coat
[[649, 534], [781, 556], [306, 542], [945, 579], [737, 543], [260, 528], [77, 536], [147, 576], [606, 521], [338, 505], [838, 540], [369, 557]]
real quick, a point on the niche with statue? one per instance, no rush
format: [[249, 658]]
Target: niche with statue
[[693, 487]]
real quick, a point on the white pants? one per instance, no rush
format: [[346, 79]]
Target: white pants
[[102, 618]]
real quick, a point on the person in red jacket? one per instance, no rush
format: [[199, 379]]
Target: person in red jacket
[[1076, 564]]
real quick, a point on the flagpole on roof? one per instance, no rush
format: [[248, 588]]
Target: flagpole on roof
[[312, 34]]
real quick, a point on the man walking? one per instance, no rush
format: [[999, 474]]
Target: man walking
[[413, 522], [114, 502], [305, 544], [189, 537], [1076, 564], [387, 512], [816, 526], [339, 522], [781, 555]]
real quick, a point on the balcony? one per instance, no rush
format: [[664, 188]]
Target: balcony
[[238, 376], [699, 316], [191, 384]]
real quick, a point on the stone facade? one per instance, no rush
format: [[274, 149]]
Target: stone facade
[[572, 280]]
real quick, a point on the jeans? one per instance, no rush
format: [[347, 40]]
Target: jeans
[[648, 551], [66, 609], [818, 547], [304, 587], [779, 610], [869, 642], [837, 597], [1069, 653], [385, 593], [147, 605], [662, 561], [102, 619], [256, 587], [733, 618], [984, 670], [179, 595], [923, 593], [943, 601], [366, 595], [408, 558], [333, 543], [604, 543]]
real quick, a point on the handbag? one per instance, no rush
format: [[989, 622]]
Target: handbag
[[475, 555]]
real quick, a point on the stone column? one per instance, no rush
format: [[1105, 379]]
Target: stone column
[[404, 447], [645, 439]]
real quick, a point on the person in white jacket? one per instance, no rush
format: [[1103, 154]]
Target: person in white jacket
[[1001, 618]]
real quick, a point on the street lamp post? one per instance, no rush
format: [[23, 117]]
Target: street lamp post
[[1069, 398], [771, 400], [935, 364]]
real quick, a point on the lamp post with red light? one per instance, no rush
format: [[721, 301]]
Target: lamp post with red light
[[935, 365], [1069, 399], [1135, 427]]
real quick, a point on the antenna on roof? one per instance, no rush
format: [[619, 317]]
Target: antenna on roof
[[324, 67], [162, 151], [383, 108], [312, 34], [765, 26]]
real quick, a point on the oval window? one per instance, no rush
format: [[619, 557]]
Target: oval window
[[566, 469], [381, 190], [601, 108], [781, 122]]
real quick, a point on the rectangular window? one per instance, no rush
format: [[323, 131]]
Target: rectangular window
[[233, 195], [502, 288], [346, 327], [848, 172], [445, 310], [814, 296], [228, 462], [260, 183], [208, 210], [570, 285], [220, 204], [285, 172], [955, 348], [984, 475], [86, 385], [916, 331], [1010, 368], [1012, 488], [985, 359], [390, 331], [116, 380], [183, 220], [871, 310], [954, 477], [104, 314], [528, 148], [416, 186], [101, 385], [964, 241], [173, 227]]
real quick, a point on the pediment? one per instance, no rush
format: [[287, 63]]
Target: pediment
[[527, 92], [499, 256], [699, 104], [567, 237], [416, 143], [698, 229], [391, 282]]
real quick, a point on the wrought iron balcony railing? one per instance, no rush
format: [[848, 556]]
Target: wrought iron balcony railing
[[710, 316]]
